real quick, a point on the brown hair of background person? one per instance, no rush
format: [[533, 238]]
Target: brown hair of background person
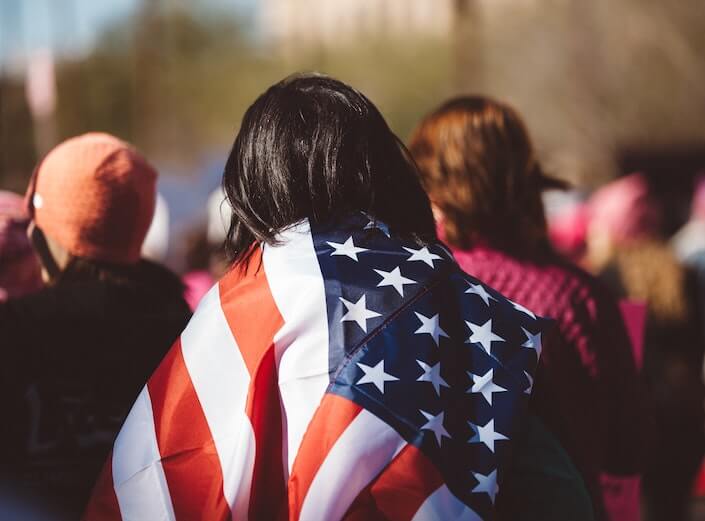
[[500, 201], [76, 353], [478, 164]]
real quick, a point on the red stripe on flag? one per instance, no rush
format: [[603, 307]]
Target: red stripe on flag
[[254, 319], [328, 423], [399, 490], [103, 505], [250, 310], [268, 494], [189, 459]]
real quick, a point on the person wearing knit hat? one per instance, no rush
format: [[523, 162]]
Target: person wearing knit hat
[[93, 197], [76, 353]]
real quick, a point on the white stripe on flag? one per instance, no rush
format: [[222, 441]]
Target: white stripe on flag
[[301, 345], [356, 458], [221, 380], [138, 476], [442, 505]]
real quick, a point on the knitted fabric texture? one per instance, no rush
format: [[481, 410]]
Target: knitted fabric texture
[[94, 195]]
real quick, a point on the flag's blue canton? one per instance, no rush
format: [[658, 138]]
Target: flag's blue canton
[[453, 369]]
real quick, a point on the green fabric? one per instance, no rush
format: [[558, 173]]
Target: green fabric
[[541, 483]]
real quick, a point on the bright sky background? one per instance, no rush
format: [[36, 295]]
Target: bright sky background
[[72, 26]]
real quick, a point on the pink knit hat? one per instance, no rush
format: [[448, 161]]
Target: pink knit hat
[[625, 209], [94, 195]]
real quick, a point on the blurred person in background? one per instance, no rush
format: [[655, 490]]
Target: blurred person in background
[[197, 279], [689, 245], [19, 269], [156, 243], [206, 258], [19, 275], [302, 386], [689, 241], [627, 249], [482, 176], [76, 353]]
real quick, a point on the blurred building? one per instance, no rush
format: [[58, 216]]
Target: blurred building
[[296, 24]]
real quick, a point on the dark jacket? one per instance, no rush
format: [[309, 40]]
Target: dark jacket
[[75, 356]]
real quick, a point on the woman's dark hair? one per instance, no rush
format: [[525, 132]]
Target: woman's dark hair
[[313, 147], [479, 167]]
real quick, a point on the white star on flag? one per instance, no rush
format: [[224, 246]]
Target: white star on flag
[[379, 225], [480, 291], [358, 312], [486, 434], [375, 375], [430, 326], [483, 335], [347, 248], [531, 383], [484, 385], [432, 374], [422, 255], [521, 308], [532, 341], [487, 484], [395, 279], [435, 425]]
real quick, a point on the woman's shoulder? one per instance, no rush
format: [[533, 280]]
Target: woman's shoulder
[[549, 280]]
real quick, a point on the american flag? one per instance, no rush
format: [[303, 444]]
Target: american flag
[[346, 374]]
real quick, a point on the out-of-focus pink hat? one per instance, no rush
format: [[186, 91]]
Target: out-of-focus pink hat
[[625, 209], [13, 226], [19, 270]]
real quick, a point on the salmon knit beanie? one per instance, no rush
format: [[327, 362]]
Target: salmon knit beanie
[[94, 195]]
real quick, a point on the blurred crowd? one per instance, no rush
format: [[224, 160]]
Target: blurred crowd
[[87, 311]]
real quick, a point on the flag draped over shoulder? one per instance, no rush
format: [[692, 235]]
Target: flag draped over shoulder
[[345, 374]]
